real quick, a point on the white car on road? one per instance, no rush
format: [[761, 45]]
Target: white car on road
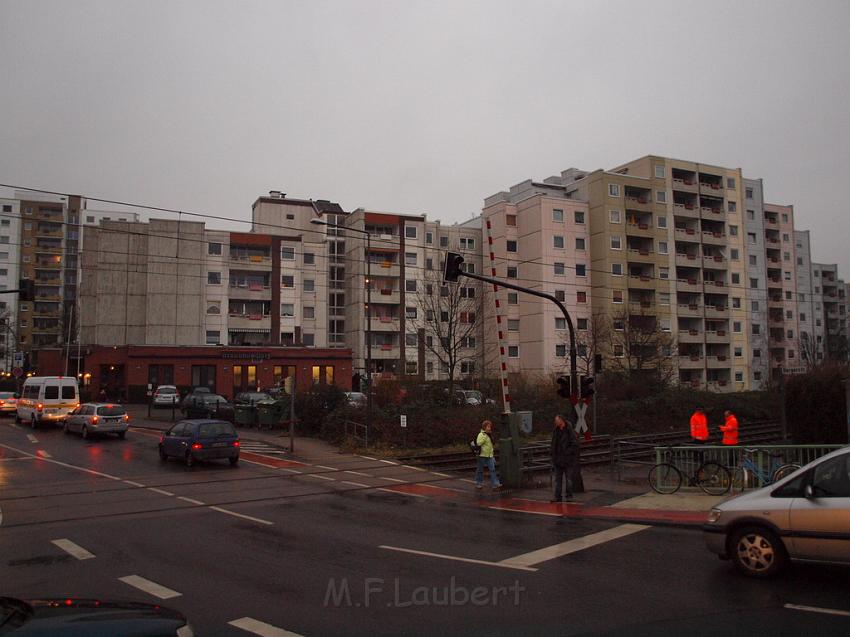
[[166, 396]]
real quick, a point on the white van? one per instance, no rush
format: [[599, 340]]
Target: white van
[[47, 399]]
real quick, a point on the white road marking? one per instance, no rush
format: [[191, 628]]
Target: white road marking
[[467, 480], [368, 457], [407, 466], [573, 546], [135, 484], [321, 466], [189, 500], [11, 459], [412, 495], [355, 484], [557, 515], [75, 550], [817, 609], [149, 587], [32, 438], [240, 515], [319, 476], [160, 491], [358, 473], [391, 479], [442, 475], [41, 453], [290, 470], [11, 424], [454, 558], [251, 625], [387, 461], [64, 464]]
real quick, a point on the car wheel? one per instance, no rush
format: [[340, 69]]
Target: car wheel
[[234, 461], [190, 459], [162, 455], [757, 551], [85, 432], [122, 434]]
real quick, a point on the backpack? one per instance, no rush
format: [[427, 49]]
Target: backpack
[[475, 447]]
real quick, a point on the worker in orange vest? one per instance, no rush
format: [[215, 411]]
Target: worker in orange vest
[[699, 426], [730, 429]]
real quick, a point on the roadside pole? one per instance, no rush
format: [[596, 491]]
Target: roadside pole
[[292, 417]]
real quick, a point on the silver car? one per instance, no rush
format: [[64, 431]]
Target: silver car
[[166, 396], [805, 516], [98, 418]]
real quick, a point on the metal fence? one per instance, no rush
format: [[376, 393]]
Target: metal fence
[[356, 430], [763, 459]]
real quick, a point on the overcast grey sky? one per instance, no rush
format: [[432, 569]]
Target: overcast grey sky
[[421, 106]]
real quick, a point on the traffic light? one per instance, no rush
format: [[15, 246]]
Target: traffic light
[[452, 270], [26, 290], [563, 386], [587, 387]]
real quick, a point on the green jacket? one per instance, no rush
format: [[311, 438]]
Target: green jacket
[[486, 443]]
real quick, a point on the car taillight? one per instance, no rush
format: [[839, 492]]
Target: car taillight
[[2, 402], [94, 420], [126, 417], [197, 445], [236, 444], [39, 407], [161, 439]]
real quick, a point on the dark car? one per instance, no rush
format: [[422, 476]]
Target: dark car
[[88, 618], [205, 439], [207, 405], [251, 397]]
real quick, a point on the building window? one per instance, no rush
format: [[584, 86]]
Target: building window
[[308, 312], [559, 268], [617, 296], [731, 206], [561, 295], [736, 278], [618, 350], [558, 215], [749, 193], [579, 217], [784, 217], [751, 237], [734, 254], [411, 368], [662, 247], [659, 172], [581, 324], [733, 231], [410, 285], [309, 258], [617, 269], [309, 285], [410, 258], [429, 237], [287, 281], [581, 269], [213, 309], [751, 215], [614, 216], [753, 259], [560, 350], [510, 245], [444, 242], [580, 245], [786, 238], [560, 323], [213, 278], [510, 220], [287, 253], [739, 377], [616, 242], [664, 298], [411, 340], [665, 325], [558, 242], [613, 190], [663, 273], [662, 221], [410, 312], [512, 272], [581, 297], [429, 264], [410, 232], [467, 243], [213, 337], [661, 196], [214, 248], [730, 183], [513, 351], [287, 309], [513, 298], [308, 339], [513, 325]]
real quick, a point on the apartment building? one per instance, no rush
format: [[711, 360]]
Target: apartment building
[[833, 294], [10, 231], [809, 303], [540, 240], [756, 282]]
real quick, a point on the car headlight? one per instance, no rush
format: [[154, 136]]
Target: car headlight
[[714, 515]]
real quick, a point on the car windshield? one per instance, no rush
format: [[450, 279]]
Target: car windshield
[[213, 398], [111, 410], [215, 429], [255, 396], [166, 390], [474, 394], [7, 394]]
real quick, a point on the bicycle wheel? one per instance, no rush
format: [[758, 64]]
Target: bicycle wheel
[[713, 478], [739, 479], [784, 471], [665, 478]]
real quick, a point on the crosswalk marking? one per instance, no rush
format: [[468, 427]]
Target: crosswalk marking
[[149, 587], [251, 625], [75, 550], [261, 448], [572, 546]]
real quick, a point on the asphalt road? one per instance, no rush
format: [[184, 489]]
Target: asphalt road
[[345, 548]]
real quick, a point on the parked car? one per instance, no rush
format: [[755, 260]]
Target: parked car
[[166, 396], [8, 402], [89, 617], [47, 399], [251, 397], [98, 418], [471, 398], [805, 516], [203, 439], [207, 405], [355, 399]]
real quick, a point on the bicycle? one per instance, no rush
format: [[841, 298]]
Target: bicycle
[[749, 474], [710, 476]]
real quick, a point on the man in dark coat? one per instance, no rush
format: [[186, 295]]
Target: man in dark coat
[[565, 453]]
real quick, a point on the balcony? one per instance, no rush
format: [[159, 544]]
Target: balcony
[[641, 282], [720, 386], [715, 262], [689, 309], [711, 187], [717, 336], [687, 260], [641, 255], [715, 287], [716, 312], [686, 210], [714, 238], [389, 269], [249, 321], [689, 285], [690, 336], [687, 235], [691, 362], [385, 351], [718, 362], [639, 230], [48, 248], [50, 231], [252, 263], [641, 203], [641, 306], [710, 213], [387, 296], [385, 324], [685, 184]]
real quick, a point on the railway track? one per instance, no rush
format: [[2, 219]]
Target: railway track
[[597, 451]]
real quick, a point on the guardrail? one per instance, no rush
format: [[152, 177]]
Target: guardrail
[[356, 430]]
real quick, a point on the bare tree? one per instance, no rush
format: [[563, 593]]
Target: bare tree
[[638, 344], [809, 350], [596, 339], [450, 316]]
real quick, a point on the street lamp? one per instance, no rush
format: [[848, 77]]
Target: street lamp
[[323, 222]]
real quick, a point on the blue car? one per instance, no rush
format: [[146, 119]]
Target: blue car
[[191, 440]]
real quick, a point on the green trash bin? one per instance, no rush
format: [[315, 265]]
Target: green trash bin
[[271, 412], [245, 415]]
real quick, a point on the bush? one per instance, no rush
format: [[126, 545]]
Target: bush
[[815, 406]]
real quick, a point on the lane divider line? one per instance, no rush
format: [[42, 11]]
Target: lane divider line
[[149, 587], [135, 484], [161, 491], [573, 546], [241, 515], [358, 473], [190, 500], [412, 495], [319, 476], [817, 609], [321, 466], [455, 558], [32, 439], [442, 475], [74, 550], [251, 625], [386, 461], [368, 457], [64, 464], [355, 484], [391, 479], [407, 466]]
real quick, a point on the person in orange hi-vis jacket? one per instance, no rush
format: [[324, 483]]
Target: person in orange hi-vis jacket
[[730, 429], [699, 426]]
